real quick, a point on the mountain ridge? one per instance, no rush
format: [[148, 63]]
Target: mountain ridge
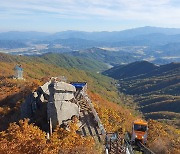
[[90, 35], [57, 59]]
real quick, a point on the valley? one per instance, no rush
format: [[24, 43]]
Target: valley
[[155, 89], [157, 45]]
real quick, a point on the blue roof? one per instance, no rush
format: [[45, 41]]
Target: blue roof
[[78, 84]]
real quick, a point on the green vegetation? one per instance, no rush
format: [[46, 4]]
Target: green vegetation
[[67, 61], [110, 57], [60, 60]]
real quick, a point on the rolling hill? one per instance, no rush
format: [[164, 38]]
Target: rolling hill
[[105, 56], [56, 59], [131, 70], [156, 89]]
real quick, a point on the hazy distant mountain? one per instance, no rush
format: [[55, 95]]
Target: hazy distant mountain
[[159, 45], [170, 49], [115, 35], [11, 44], [144, 36], [88, 41], [152, 39], [77, 43], [16, 35]]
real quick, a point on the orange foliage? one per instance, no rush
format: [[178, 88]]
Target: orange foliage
[[27, 138], [12, 94], [22, 138], [163, 138], [70, 142], [113, 116]]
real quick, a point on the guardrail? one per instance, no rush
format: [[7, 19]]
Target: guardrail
[[100, 125], [129, 148], [103, 131], [127, 141]]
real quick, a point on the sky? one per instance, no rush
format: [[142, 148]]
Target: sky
[[87, 15]]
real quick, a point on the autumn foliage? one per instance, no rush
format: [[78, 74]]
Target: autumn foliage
[[113, 116], [26, 138], [70, 142], [23, 138], [163, 138]]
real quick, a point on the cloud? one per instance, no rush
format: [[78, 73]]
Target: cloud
[[153, 12]]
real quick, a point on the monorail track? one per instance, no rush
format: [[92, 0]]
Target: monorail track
[[90, 125], [144, 149]]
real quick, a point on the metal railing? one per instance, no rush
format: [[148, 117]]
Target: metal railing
[[127, 142], [103, 131]]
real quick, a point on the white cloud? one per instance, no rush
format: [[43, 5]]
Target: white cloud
[[147, 11]]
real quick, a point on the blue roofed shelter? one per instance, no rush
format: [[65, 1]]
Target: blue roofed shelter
[[80, 86], [18, 72]]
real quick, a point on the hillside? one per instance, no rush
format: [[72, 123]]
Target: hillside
[[69, 61], [101, 55], [22, 137], [14, 92], [156, 89], [131, 70], [34, 72], [58, 60]]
